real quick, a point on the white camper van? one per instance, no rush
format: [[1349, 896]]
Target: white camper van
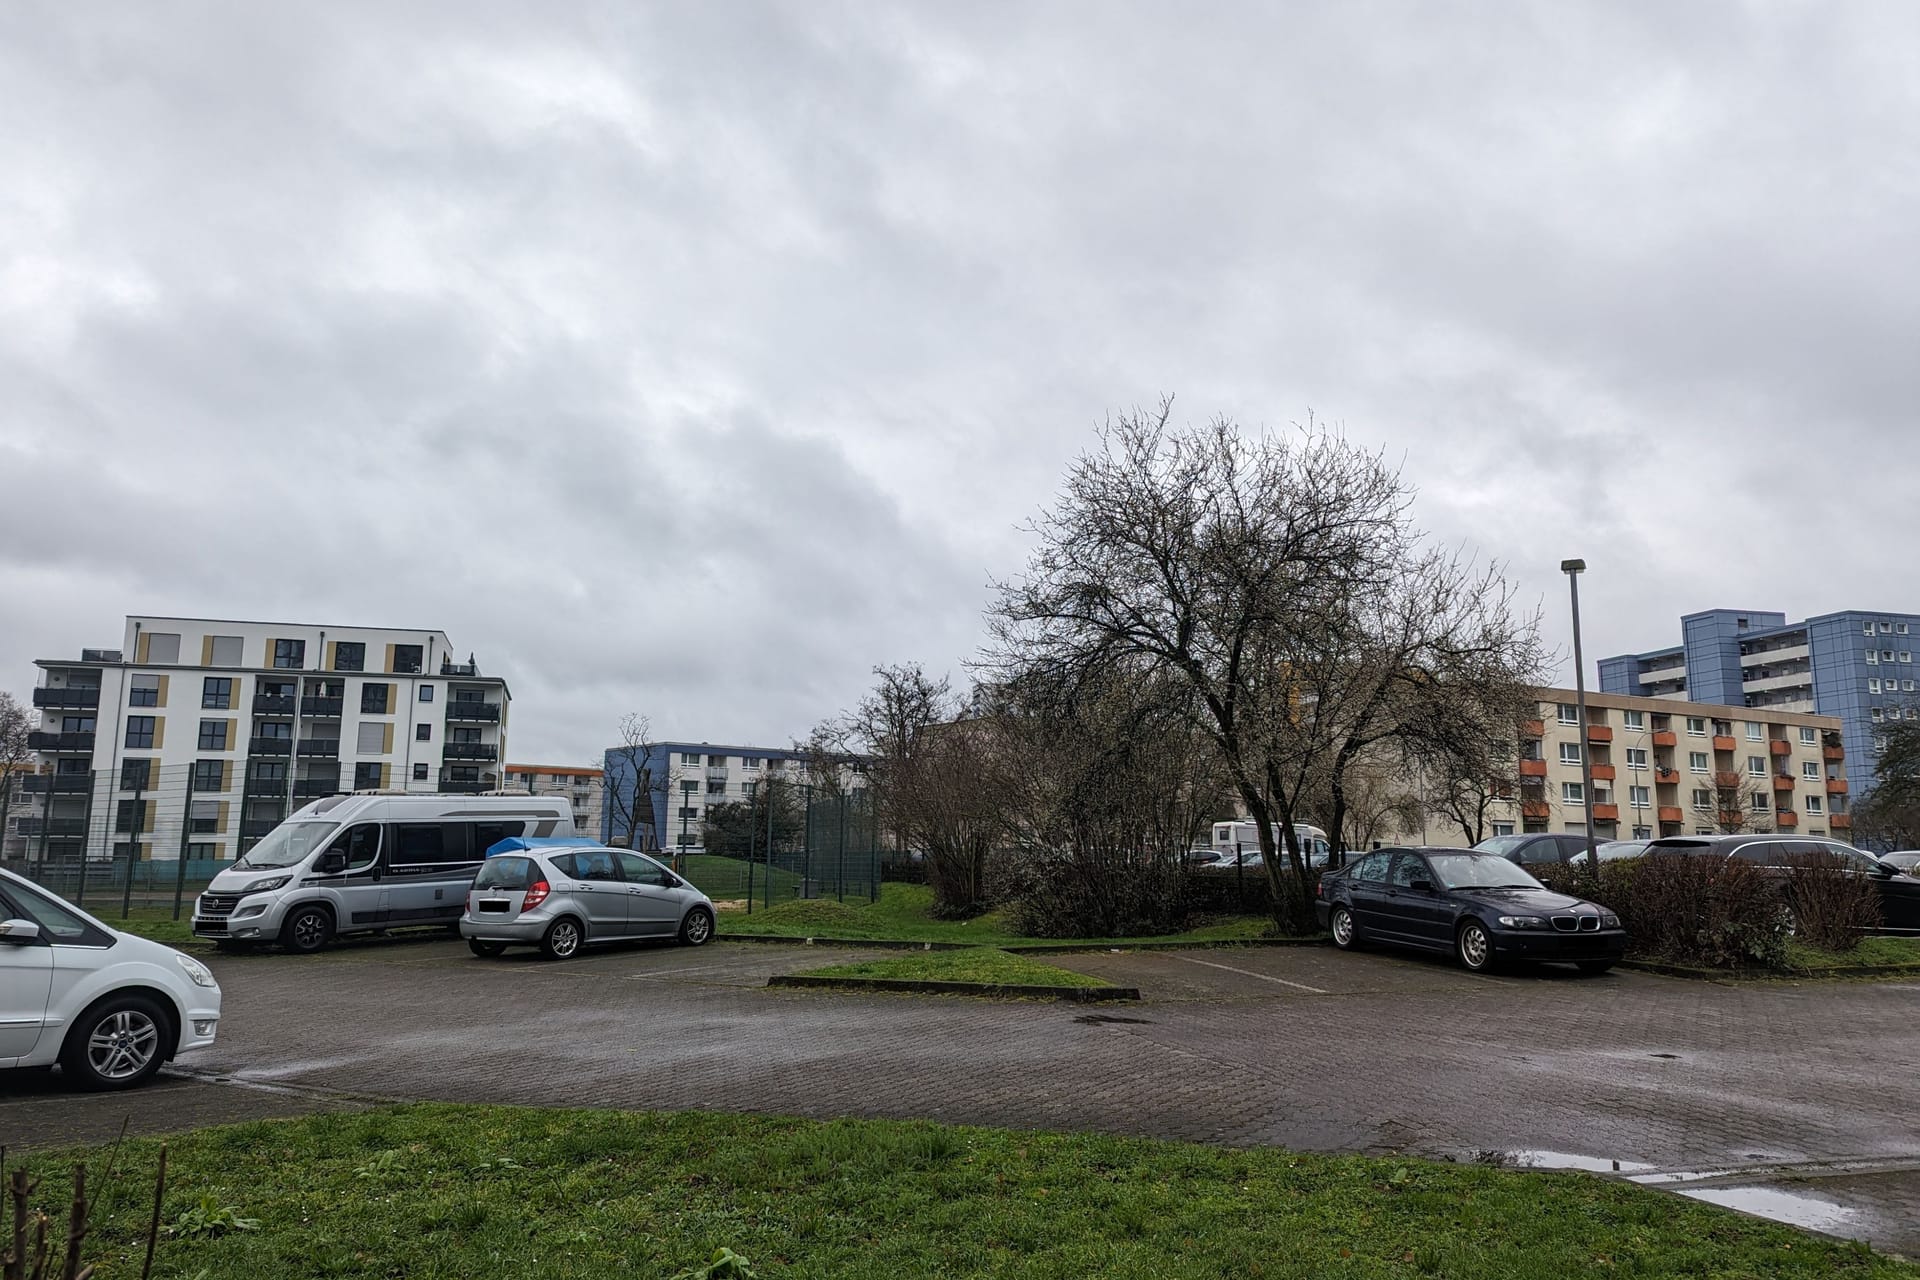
[[367, 862], [1242, 839]]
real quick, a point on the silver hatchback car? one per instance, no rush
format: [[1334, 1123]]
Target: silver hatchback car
[[563, 899]]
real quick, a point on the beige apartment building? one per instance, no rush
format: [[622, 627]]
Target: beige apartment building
[[584, 788], [1661, 767]]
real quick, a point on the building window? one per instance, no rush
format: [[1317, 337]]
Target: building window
[[1569, 713], [349, 655], [423, 733], [749, 762], [209, 775], [1814, 805], [1634, 719], [1900, 628], [213, 735], [1878, 715], [1754, 732], [278, 730], [130, 815], [690, 758], [289, 655], [407, 659], [1702, 798], [1885, 627], [204, 817], [1867, 627], [140, 731], [1697, 726], [366, 776], [426, 693], [1643, 833], [216, 693], [1572, 793], [1873, 657], [716, 762], [1810, 769], [1757, 766], [163, 648], [689, 786], [372, 739], [76, 724], [1873, 684], [1761, 802], [1886, 655], [373, 699], [1807, 736], [223, 651], [1503, 828], [1906, 655], [419, 773], [1569, 753], [1697, 761], [144, 692], [1636, 757], [1637, 797], [136, 775]]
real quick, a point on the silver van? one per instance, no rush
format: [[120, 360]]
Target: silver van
[[560, 899], [367, 863]]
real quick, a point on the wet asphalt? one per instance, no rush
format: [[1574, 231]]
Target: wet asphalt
[[1777, 1090]]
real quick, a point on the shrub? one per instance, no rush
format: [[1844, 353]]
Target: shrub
[[1718, 912], [1832, 906], [1070, 897]]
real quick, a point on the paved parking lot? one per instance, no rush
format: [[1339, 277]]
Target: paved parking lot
[[1301, 1047]]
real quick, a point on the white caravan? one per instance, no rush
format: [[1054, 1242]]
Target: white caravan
[[1232, 839], [367, 862]]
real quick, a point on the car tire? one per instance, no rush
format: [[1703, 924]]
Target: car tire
[[485, 950], [1594, 968], [307, 929], [697, 929], [117, 1044], [1344, 928], [1473, 946], [562, 939]]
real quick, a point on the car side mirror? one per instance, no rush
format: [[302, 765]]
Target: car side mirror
[[19, 931], [332, 862], [1421, 886]]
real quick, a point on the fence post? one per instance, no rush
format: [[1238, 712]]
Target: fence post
[[186, 832], [133, 847], [806, 848], [840, 861], [750, 834], [86, 832], [46, 821], [772, 796]]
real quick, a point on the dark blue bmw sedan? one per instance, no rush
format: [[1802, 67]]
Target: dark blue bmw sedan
[[1479, 906]]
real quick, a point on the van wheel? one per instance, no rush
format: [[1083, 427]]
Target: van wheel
[[697, 928], [307, 930], [116, 1044], [485, 950], [562, 939]]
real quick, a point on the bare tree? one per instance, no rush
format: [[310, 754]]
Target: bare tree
[[1466, 782], [630, 809], [1280, 578], [888, 728], [1732, 813], [17, 720]]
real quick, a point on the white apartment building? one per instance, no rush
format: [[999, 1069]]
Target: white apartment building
[[583, 787], [1661, 767], [199, 735], [691, 777]]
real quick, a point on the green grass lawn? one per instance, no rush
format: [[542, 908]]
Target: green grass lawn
[[440, 1191], [977, 964], [726, 878], [903, 913], [1871, 951], [150, 922]]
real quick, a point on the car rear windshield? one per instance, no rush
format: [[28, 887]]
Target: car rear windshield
[[1462, 871], [504, 873], [1501, 844]]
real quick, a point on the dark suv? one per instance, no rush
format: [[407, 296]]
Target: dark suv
[[1775, 854], [1534, 848]]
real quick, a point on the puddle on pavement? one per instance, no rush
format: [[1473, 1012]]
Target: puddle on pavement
[[1095, 1019], [1565, 1160], [1778, 1206]]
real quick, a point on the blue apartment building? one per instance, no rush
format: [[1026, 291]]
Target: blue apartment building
[[1856, 665], [688, 778]]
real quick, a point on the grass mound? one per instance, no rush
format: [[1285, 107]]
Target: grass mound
[[443, 1191], [809, 913], [978, 964]]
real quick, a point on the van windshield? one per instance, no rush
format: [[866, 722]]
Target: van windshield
[[287, 845]]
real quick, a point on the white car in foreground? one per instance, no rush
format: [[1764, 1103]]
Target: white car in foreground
[[105, 1005]]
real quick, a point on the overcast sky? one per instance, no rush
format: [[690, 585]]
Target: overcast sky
[[693, 358]]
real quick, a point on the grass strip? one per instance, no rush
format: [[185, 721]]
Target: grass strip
[[444, 1191], [978, 964]]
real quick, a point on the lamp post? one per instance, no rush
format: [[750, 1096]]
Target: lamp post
[[1573, 569]]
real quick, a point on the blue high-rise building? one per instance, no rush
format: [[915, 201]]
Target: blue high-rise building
[[1857, 665]]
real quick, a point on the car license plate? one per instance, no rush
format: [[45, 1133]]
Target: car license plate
[[499, 905]]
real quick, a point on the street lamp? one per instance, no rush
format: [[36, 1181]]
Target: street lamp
[[1573, 569]]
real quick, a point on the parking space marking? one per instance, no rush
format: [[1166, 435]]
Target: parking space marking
[[1248, 973]]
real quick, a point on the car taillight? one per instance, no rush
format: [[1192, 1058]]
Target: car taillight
[[536, 894]]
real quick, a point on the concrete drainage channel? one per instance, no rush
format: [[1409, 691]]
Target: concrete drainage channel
[[1816, 1195]]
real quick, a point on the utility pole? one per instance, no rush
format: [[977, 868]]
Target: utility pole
[[1573, 569]]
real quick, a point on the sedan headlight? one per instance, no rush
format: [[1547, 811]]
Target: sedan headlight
[[199, 974], [1608, 920], [265, 886], [1522, 922]]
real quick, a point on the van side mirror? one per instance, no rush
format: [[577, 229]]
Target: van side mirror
[[19, 931], [332, 862]]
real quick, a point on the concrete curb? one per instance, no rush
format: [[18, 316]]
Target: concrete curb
[[1026, 948], [1701, 973], [1078, 995]]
